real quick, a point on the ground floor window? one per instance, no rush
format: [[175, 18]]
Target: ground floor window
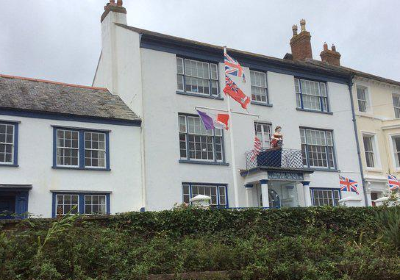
[[81, 203], [322, 197], [218, 193]]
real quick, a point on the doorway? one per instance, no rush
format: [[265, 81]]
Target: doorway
[[7, 206]]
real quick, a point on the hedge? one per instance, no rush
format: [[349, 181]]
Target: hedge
[[295, 243]]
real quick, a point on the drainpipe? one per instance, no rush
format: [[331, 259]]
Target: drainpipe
[[350, 85]]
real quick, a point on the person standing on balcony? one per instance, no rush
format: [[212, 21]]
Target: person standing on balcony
[[277, 138]]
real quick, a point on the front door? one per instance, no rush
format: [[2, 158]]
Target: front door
[[7, 207]]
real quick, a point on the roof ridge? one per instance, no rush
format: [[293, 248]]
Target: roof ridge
[[51, 82]]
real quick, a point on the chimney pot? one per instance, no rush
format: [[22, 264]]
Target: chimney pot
[[112, 3], [330, 56], [294, 28], [119, 3], [303, 25], [301, 43]]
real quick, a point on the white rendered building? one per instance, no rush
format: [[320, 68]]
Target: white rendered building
[[66, 148], [164, 78]]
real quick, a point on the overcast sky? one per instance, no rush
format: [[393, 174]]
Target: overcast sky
[[60, 39]]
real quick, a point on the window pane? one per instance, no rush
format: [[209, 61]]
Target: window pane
[[369, 150], [216, 193], [317, 148], [67, 147], [95, 149], [66, 203], [258, 86], [95, 204], [198, 143], [6, 143]]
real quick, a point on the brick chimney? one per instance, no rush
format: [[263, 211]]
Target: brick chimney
[[113, 7], [301, 43], [330, 56]]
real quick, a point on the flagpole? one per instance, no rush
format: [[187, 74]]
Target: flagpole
[[233, 163]]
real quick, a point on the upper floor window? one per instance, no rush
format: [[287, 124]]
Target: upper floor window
[[362, 99], [197, 143], [82, 203], [81, 149], [325, 197], [259, 91], [8, 143], [317, 148], [217, 193], [396, 105], [263, 132], [197, 77], [311, 95], [396, 148], [369, 149]]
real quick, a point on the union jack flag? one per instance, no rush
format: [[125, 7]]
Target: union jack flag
[[257, 148], [394, 183], [348, 185], [232, 67]]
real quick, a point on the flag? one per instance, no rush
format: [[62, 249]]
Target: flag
[[212, 121], [394, 183], [348, 185], [232, 67], [257, 148], [236, 93]]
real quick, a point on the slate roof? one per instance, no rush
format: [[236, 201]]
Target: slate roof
[[40, 96], [313, 65]]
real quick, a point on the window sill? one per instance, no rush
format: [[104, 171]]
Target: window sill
[[314, 111], [261, 103], [8, 165], [199, 95], [78, 168], [203, 162], [321, 169], [374, 169]]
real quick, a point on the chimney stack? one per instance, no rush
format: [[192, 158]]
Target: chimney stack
[[113, 7], [301, 43], [330, 56]]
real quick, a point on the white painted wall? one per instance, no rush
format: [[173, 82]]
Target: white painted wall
[[162, 105], [147, 83], [35, 159]]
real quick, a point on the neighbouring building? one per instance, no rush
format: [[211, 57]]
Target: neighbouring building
[[66, 148], [164, 78], [377, 103]]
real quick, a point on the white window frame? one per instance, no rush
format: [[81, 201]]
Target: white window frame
[[91, 205], [210, 133], [93, 149], [264, 142], [322, 99], [215, 199], [63, 195], [394, 153], [12, 144], [253, 85], [63, 147], [306, 159], [396, 108], [368, 104], [324, 191], [375, 150], [212, 79]]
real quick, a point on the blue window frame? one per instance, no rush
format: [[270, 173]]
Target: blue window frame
[[81, 149], [311, 95], [8, 143], [198, 78], [80, 203], [325, 197], [217, 192], [318, 149], [198, 144]]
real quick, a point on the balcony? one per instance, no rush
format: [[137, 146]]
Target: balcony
[[285, 159]]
